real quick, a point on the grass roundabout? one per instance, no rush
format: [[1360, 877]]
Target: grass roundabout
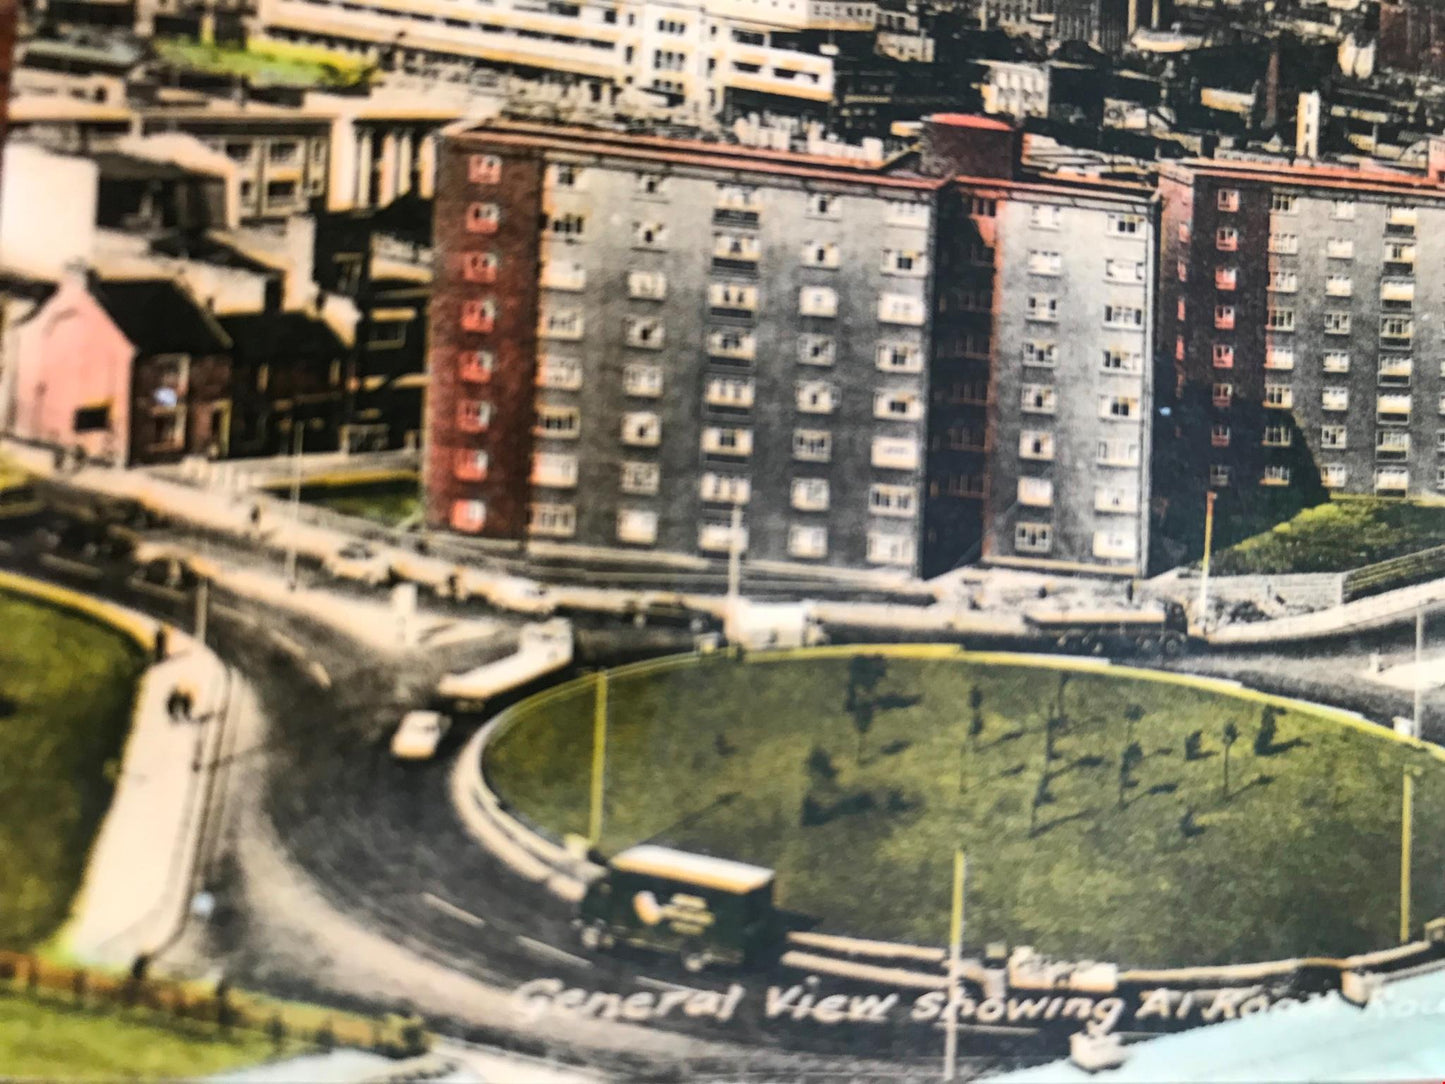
[[1108, 814]]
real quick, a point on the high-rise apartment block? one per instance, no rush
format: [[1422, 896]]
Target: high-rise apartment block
[[1296, 310], [906, 364]]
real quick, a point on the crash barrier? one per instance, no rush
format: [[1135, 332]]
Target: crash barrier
[[1268, 594], [1385, 576], [213, 1010]]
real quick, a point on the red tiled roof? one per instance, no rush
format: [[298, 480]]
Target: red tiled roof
[[969, 120], [1365, 179]]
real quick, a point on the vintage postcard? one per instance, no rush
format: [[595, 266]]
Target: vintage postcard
[[569, 541]]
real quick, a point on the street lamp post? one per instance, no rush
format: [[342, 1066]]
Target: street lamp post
[[1407, 816], [1204, 569], [298, 438], [599, 758], [1419, 670], [955, 964]]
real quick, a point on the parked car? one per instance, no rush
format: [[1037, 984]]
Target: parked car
[[419, 735], [358, 561]]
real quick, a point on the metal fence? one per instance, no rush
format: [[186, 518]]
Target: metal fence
[[1385, 576]]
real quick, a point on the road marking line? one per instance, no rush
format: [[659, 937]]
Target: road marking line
[[548, 950], [322, 677], [452, 909], [286, 644]]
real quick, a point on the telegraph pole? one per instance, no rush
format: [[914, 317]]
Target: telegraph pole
[[1204, 570], [298, 438], [1407, 815], [1419, 670], [599, 758], [955, 964], [202, 604]]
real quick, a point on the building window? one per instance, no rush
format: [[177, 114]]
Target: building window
[[897, 405], [1224, 317], [562, 324], [825, 254], [483, 217], [810, 494], [475, 366], [479, 315], [1337, 323], [1035, 492], [1283, 203], [1399, 252], [816, 397], [1275, 474], [484, 168], [899, 213], [827, 205], [1118, 407], [1338, 285], [1126, 225], [895, 453], [1129, 271], [1033, 537], [1043, 307], [728, 442], [1042, 353], [1045, 216], [640, 478], [642, 429], [637, 525], [1226, 278], [898, 309], [651, 185], [649, 235], [1038, 399], [1286, 244], [1279, 358], [468, 515], [569, 227], [473, 415], [738, 198], [817, 301], [1218, 476], [1392, 444], [647, 285], [563, 374], [732, 344], [92, 419], [890, 549], [644, 332], [557, 422], [1283, 282], [1045, 263], [1219, 436], [903, 262], [1123, 316], [1116, 499], [1036, 444], [982, 207], [1280, 319], [1334, 437], [1392, 479], [729, 393], [1340, 248], [1335, 399], [1396, 371], [896, 501], [1117, 452], [1116, 360], [480, 266], [555, 470], [564, 175], [817, 350], [1115, 545], [724, 488], [1227, 199], [721, 538], [898, 357], [1226, 239], [1280, 396], [1223, 356], [1277, 436], [1222, 395], [1336, 361], [807, 540], [1400, 328], [470, 464], [735, 246], [552, 520], [1343, 210], [1181, 271], [643, 381], [812, 445], [1334, 475]]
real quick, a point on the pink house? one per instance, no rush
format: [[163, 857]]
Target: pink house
[[129, 371]]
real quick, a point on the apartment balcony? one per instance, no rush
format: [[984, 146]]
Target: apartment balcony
[[735, 216], [1397, 291]]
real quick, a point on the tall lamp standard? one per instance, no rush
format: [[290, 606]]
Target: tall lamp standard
[[1203, 606]]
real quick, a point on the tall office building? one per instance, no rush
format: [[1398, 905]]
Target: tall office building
[[885, 365], [1295, 317]]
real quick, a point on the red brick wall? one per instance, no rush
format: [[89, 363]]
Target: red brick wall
[[512, 340]]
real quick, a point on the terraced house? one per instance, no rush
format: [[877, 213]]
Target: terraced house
[[631, 337], [1296, 306]]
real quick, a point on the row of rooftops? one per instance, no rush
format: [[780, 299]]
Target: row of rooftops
[[907, 170]]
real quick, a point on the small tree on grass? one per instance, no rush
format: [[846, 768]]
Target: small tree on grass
[[1132, 757], [975, 722], [865, 673], [1132, 714], [1229, 737], [820, 766], [1193, 745], [1264, 740]]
